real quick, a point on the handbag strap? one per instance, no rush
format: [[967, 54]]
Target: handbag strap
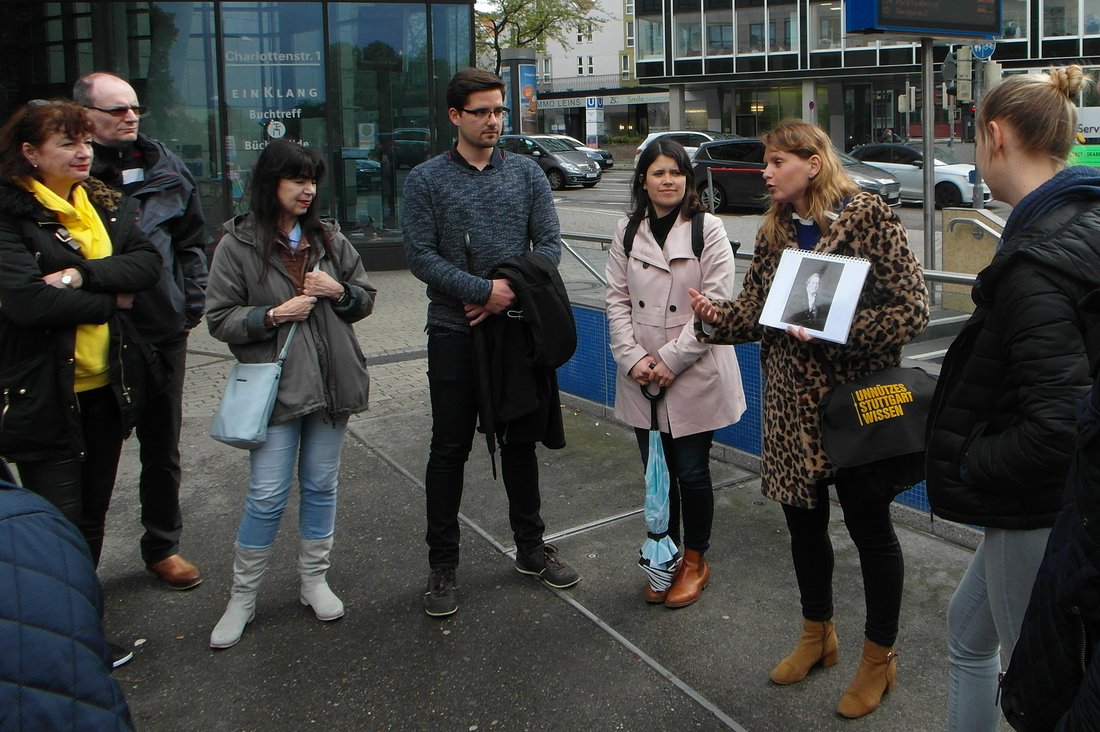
[[286, 346]]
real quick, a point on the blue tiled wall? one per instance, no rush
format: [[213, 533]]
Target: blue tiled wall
[[590, 374]]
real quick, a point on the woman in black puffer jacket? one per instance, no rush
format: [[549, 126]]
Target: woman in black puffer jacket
[[1002, 425]]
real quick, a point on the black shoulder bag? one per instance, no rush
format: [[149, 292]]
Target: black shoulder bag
[[873, 428]]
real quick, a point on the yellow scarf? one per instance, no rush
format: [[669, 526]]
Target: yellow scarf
[[88, 232]]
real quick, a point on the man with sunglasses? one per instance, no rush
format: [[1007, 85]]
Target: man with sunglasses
[[465, 212], [171, 217]]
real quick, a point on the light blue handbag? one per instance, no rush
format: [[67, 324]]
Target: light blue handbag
[[249, 399]]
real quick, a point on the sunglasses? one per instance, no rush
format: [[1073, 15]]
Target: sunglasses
[[119, 112]]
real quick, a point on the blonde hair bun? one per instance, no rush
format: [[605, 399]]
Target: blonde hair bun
[[1068, 80]]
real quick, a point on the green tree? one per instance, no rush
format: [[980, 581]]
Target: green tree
[[527, 24]]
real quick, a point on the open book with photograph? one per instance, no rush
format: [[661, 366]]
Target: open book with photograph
[[816, 291]]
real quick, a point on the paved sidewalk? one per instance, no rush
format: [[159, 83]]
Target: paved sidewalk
[[517, 655]]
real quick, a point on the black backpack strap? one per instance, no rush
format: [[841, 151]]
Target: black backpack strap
[[628, 235], [697, 234]]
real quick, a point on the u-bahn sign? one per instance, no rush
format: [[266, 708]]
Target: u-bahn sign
[[925, 18]]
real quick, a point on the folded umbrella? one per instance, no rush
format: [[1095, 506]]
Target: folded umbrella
[[660, 557]]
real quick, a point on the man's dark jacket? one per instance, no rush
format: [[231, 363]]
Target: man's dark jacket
[[171, 216], [1053, 680], [55, 667], [518, 352], [1002, 425]]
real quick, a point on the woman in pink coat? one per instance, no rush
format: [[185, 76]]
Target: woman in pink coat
[[653, 342]]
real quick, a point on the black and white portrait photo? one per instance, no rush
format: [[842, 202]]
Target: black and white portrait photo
[[811, 294]]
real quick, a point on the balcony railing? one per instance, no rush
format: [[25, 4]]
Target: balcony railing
[[591, 82]]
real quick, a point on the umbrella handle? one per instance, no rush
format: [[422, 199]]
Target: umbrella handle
[[653, 399]]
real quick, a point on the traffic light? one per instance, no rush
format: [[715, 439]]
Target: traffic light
[[950, 71]]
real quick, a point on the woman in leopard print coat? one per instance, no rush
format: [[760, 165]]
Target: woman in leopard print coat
[[815, 205]]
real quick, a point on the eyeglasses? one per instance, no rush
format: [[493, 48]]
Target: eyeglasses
[[119, 112], [483, 113]]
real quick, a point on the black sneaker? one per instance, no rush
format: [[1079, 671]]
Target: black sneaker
[[119, 654], [441, 597], [545, 564]]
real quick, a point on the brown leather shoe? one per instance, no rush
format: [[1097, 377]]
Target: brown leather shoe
[[691, 580], [176, 572]]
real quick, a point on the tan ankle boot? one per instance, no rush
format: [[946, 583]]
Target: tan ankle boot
[[691, 580], [876, 676], [652, 596], [818, 644]]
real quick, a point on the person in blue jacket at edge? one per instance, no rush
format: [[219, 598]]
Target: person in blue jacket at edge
[[55, 668]]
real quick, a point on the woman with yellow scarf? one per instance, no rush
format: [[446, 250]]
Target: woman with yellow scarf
[[72, 372]]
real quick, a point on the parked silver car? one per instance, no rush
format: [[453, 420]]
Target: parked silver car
[[563, 163]]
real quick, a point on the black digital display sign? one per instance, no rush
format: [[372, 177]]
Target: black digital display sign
[[974, 18]]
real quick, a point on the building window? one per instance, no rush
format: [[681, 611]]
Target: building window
[[580, 34], [688, 22], [782, 26], [1092, 16], [1014, 17], [625, 65], [750, 26], [629, 7], [650, 30], [826, 22], [718, 19], [1060, 18], [591, 68], [547, 74], [580, 65], [630, 34]]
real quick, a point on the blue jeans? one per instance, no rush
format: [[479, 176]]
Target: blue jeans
[[983, 623], [690, 491], [315, 443]]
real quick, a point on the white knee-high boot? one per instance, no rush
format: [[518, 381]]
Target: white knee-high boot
[[313, 564], [248, 570]]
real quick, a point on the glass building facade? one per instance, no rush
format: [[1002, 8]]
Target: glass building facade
[[743, 65], [361, 82]]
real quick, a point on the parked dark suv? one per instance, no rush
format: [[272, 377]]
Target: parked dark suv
[[737, 166], [563, 164]]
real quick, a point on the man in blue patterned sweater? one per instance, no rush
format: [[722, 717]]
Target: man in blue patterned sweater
[[465, 212]]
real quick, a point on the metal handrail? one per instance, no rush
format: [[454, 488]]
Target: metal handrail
[[974, 222], [584, 262], [930, 275]]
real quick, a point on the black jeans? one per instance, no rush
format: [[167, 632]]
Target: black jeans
[[452, 383], [158, 432], [81, 489], [880, 559], [690, 491]]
